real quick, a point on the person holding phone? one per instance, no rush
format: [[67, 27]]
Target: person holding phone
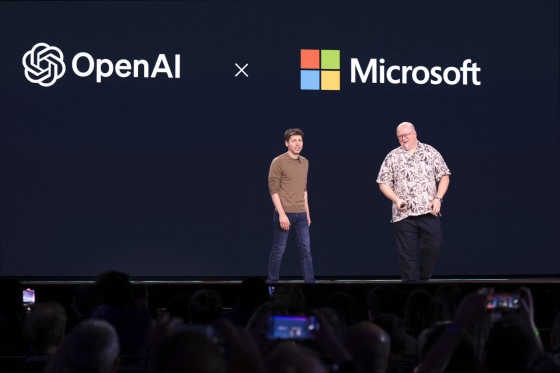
[[415, 178], [287, 183]]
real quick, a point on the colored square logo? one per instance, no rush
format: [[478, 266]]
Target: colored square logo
[[310, 59], [330, 80], [320, 69], [330, 60], [310, 80]]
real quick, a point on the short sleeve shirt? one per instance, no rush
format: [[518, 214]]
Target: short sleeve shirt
[[413, 178]]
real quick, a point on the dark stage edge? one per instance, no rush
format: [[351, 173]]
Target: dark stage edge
[[528, 279]]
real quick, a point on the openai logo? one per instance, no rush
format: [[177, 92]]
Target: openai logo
[[44, 64]]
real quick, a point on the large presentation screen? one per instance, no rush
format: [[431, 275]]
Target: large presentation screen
[[138, 135]]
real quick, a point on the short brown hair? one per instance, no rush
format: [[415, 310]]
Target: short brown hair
[[291, 132]]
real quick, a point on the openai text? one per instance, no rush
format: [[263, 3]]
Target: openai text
[[377, 73], [123, 68]]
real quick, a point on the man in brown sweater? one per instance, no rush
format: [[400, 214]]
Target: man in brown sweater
[[287, 183]]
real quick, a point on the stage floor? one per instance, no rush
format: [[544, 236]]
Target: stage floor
[[528, 279]]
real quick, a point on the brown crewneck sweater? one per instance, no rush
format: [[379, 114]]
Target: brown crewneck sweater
[[288, 178]]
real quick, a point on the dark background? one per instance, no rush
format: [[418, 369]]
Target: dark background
[[168, 177]]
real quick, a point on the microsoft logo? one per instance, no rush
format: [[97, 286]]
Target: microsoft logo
[[320, 69]]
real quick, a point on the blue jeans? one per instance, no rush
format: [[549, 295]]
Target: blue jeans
[[298, 224]]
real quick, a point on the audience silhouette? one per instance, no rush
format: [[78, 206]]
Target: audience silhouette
[[91, 347], [343, 303], [131, 324], [84, 301], [288, 357], [205, 307], [370, 347], [177, 305], [384, 298], [555, 337], [251, 293], [199, 333], [188, 350], [12, 317], [45, 327], [464, 358], [417, 311]]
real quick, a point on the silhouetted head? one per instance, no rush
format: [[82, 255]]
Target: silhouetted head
[[252, 292], [114, 288], [205, 306], [92, 347], [189, 350], [370, 346], [510, 346], [45, 327]]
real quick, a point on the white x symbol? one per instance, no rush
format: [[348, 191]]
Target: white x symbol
[[241, 70]]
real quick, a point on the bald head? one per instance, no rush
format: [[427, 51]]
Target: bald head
[[370, 346], [407, 126]]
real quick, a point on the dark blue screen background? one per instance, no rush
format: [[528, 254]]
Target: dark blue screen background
[[168, 177]]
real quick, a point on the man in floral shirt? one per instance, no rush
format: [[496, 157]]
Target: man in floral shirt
[[415, 178]]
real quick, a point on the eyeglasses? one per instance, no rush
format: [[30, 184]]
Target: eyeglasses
[[405, 135]]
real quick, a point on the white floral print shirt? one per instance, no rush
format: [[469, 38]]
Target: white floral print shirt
[[413, 177]]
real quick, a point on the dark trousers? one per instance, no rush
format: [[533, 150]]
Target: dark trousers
[[419, 241]]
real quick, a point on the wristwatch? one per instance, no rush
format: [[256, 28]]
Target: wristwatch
[[440, 199]]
